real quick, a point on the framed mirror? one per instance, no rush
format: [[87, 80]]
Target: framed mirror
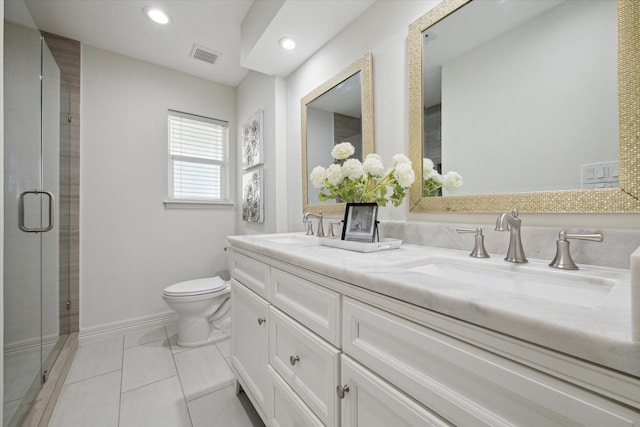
[[534, 103], [339, 110]]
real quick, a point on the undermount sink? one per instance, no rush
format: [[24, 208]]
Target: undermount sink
[[530, 280]]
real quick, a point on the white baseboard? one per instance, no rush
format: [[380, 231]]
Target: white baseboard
[[108, 330], [31, 344]]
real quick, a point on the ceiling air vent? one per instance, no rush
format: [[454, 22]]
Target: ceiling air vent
[[204, 54]]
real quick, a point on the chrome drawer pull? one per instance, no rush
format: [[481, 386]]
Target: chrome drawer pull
[[294, 359], [261, 320], [342, 390]]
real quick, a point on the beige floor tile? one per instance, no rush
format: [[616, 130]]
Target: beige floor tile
[[160, 404], [147, 363], [92, 402], [96, 358], [202, 370], [224, 409]]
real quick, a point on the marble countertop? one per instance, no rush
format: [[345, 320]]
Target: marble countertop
[[597, 329]]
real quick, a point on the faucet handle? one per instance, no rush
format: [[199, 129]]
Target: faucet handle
[[320, 232], [478, 249], [309, 227], [563, 258], [331, 232]]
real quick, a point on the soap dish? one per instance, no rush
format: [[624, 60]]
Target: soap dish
[[382, 245]]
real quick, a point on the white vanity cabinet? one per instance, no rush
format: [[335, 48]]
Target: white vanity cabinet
[[250, 344], [464, 384], [285, 346], [250, 338], [337, 354]]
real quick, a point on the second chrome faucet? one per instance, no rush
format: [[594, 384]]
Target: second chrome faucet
[[511, 223]]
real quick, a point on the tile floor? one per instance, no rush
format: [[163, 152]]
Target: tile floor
[[21, 370], [145, 379]]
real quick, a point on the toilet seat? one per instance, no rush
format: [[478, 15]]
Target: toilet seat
[[195, 287]]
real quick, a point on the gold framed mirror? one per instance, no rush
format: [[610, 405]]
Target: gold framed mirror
[[341, 109], [625, 197]]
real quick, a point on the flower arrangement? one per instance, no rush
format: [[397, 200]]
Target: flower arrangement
[[351, 181], [432, 181]]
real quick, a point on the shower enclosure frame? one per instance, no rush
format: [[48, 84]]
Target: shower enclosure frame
[[37, 407]]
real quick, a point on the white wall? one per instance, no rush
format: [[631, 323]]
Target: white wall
[[131, 246], [382, 29], [320, 137], [258, 91], [570, 104]]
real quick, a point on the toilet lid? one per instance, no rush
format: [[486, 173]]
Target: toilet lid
[[195, 287]]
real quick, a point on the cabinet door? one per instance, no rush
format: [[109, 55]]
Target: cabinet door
[[250, 344], [465, 384], [372, 402], [307, 363], [287, 409]]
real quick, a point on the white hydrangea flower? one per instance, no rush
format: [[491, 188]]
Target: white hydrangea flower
[[399, 159], [431, 174], [452, 181], [373, 165], [427, 167], [404, 174], [334, 174], [352, 169], [342, 151], [318, 175]]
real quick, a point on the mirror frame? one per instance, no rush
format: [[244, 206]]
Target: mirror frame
[[364, 66], [625, 198]]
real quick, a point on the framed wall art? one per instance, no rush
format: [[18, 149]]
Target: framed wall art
[[252, 195], [252, 145]]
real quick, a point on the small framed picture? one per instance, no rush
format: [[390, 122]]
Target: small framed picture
[[360, 222]]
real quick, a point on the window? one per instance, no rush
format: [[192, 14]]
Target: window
[[198, 160]]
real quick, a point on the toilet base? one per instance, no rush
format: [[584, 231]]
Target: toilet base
[[215, 336], [195, 331]]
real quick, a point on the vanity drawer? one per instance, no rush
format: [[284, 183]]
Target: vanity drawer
[[307, 363], [464, 384], [288, 410], [250, 272], [314, 306]]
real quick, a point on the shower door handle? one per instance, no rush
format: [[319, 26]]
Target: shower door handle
[[52, 201]]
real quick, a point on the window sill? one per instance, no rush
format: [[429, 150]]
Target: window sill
[[194, 204]]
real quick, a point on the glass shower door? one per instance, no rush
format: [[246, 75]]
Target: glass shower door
[[32, 327]]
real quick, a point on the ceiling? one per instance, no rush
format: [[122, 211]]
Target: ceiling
[[244, 34]]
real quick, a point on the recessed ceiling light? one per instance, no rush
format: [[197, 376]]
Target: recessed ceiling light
[[156, 15], [287, 43]]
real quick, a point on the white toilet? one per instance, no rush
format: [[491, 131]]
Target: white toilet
[[203, 309]]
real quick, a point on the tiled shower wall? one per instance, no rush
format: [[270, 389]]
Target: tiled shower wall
[[67, 55]]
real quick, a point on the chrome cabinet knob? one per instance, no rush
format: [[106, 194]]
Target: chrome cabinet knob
[[261, 320], [294, 359], [341, 390]]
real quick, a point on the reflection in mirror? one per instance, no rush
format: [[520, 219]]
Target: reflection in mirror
[[332, 118], [338, 111], [529, 81], [528, 101]]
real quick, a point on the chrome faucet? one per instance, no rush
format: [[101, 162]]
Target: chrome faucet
[[512, 223], [306, 216]]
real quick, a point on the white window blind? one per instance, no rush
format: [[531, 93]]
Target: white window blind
[[198, 160]]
